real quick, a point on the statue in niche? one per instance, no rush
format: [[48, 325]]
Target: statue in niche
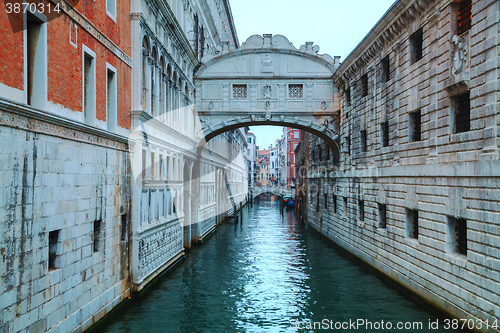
[[267, 90], [267, 63], [459, 54]]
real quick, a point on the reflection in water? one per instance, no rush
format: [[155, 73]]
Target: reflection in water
[[259, 276]]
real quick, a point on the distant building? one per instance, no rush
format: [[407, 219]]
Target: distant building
[[292, 140], [251, 158]]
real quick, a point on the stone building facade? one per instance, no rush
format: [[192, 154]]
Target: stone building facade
[[103, 186], [413, 191], [65, 170]]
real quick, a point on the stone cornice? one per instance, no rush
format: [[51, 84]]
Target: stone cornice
[[26, 118], [385, 32]]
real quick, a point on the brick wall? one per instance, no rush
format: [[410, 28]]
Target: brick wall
[[444, 176]]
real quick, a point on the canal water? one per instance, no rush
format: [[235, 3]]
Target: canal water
[[269, 273]]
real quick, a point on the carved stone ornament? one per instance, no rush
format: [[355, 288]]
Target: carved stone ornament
[[252, 117], [267, 90], [323, 105], [267, 105], [211, 105], [268, 116], [459, 54], [267, 63]]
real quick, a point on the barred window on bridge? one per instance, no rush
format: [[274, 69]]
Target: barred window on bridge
[[295, 90], [239, 91]]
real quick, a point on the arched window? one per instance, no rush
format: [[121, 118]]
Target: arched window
[[145, 54]]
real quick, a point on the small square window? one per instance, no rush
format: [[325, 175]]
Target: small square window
[[386, 69], [295, 90], [239, 91], [345, 206], [415, 128], [384, 128], [364, 85], [461, 106], [416, 41], [363, 140], [361, 210], [382, 216], [412, 223]]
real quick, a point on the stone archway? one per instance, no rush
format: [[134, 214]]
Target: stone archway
[[267, 81]]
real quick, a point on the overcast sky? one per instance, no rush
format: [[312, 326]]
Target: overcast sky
[[337, 26]]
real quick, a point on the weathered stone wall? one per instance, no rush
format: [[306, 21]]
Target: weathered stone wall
[[443, 176], [60, 177]]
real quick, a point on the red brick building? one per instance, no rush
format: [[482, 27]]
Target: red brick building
[[69, 61], [65, 87], [293, 139]]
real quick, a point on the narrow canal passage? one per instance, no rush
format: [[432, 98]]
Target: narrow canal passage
[[268, 273]]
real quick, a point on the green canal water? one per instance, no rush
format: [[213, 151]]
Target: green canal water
[[269, 273]]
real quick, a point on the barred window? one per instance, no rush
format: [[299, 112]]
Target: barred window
[[416, 41], [382, 216], [461, 104], [457, 241], [295, 90], [348, 96], [363, 140], [364, 85], [412, 223], [386, 69], [415, 126], [361, 210], [464, 16], [385, 133], [239, 91]]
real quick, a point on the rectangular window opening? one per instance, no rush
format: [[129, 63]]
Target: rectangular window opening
[[412, 223], [326, 201], [345, 206], [348, 95], [111, 115], [111, 8], [54, 250], [334, 199], [124, 227], [97, 235], [461, 104], [386, 69], [384, 127], [239, 91], [464, 16], [36, 51], [295, 90], [415, 126], [361, 210], [364, 85], [89, 89], [363, 140], [457, 231], [382, 216], [416, 41]]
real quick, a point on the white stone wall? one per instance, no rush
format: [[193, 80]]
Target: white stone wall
[[60, 178], [444, 175]]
